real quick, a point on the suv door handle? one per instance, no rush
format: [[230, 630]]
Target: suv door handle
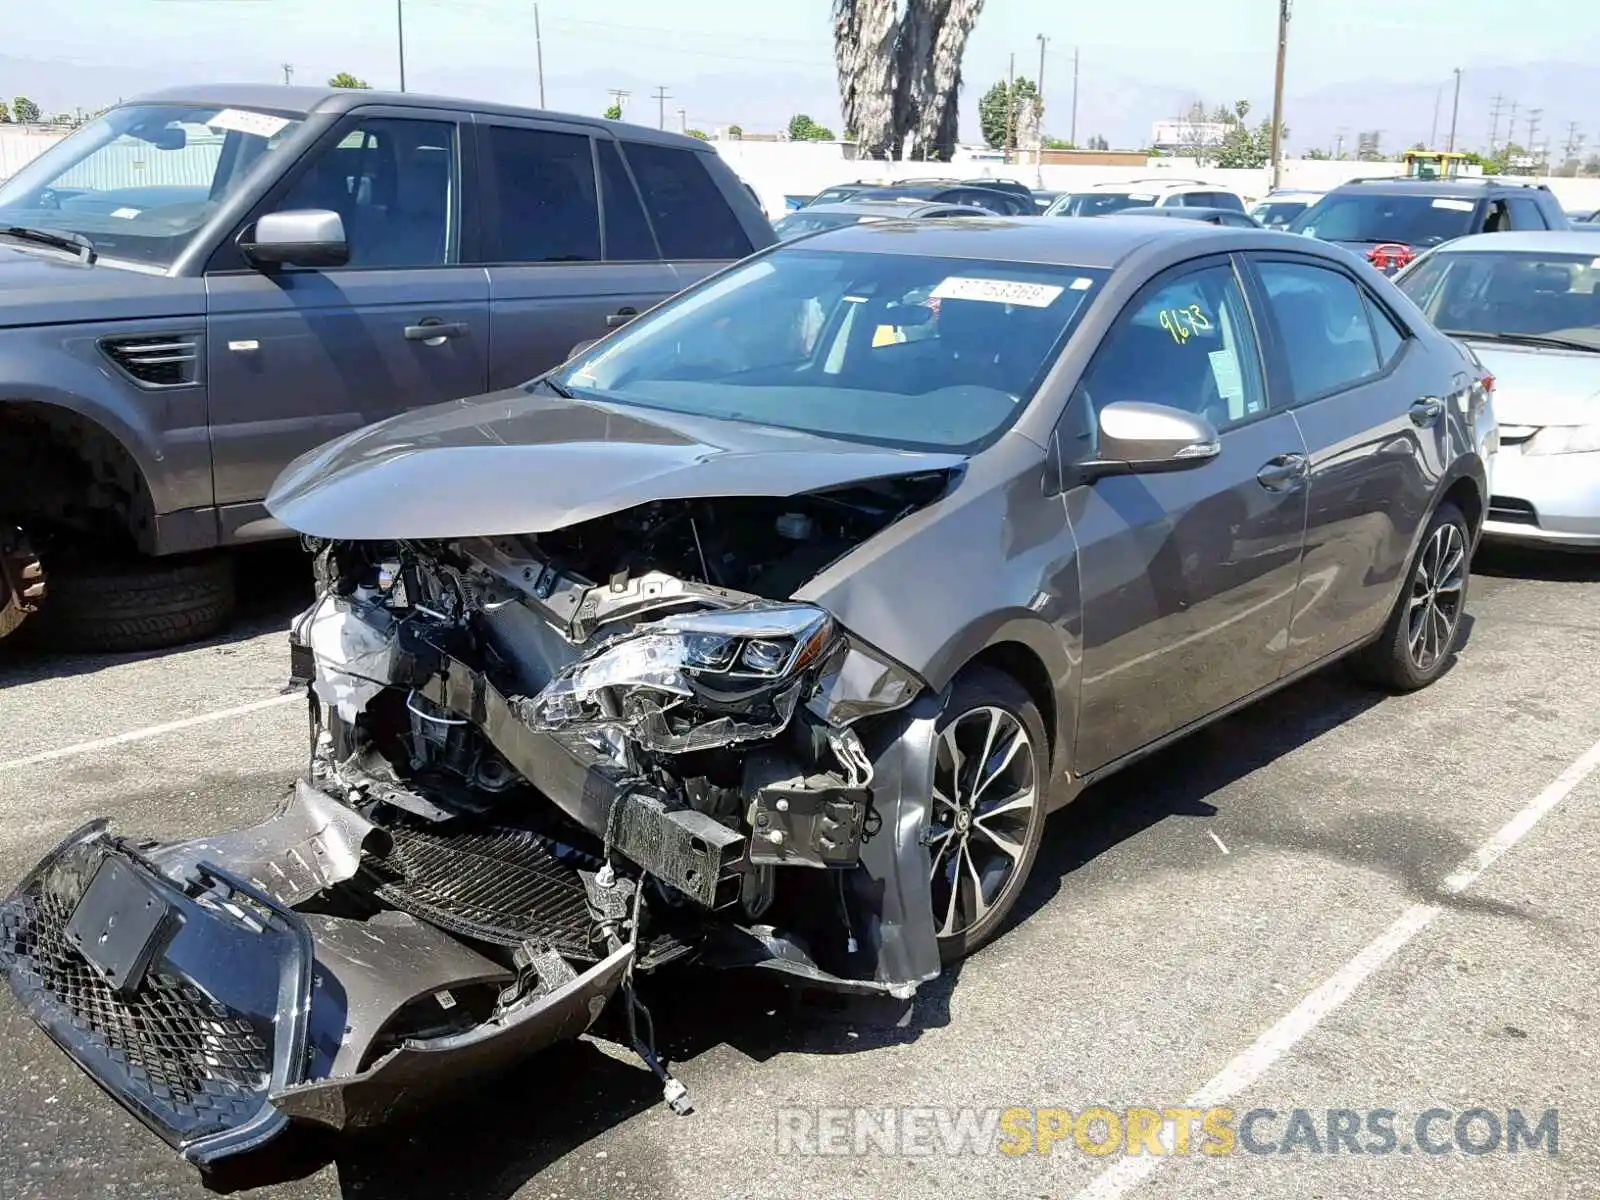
[[433, 332], [1285, 473], [1427, 410], [621, 317]]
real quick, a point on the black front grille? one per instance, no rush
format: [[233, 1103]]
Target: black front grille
[[505, 886], [169, 361], [1511, 511], [192, 1062]]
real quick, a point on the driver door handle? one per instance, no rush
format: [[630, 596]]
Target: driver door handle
[[1427, 410], [433, 332], [1285, 473]]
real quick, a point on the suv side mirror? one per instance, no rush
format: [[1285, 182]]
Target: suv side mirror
[[1142, 439], [305, 237]]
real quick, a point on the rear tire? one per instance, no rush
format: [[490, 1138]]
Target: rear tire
[[991, 784], [141, 604], [1419, 640]]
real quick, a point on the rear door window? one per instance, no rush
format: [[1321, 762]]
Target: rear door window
[[542, 205], [1525, 213], [628, 237], [692, 219], [1322, 321]]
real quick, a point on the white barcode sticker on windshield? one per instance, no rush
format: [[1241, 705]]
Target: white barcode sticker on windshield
[[261, 124], [998, 291], [1453, 205]]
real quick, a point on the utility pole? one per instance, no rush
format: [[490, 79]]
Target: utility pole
[[1072, 135], [1574, 146], [662, 96], [1496, 107], [1038, 149], [1455, 108], [683, 119], [538, 52], [1534, 114], [1511, 125], [618, 97], [400, 37], [1433, 133], [288, 73], [1011, 103], [1040, 80], [1277, 95]]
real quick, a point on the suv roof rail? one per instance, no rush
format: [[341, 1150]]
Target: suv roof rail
[[1170, 179]]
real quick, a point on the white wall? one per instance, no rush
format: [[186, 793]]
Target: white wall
[[21, 144]]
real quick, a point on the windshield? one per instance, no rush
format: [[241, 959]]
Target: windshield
[[141, 179], [1096, 204], [1275, 214], [803, 222], [890, 349], [1415, 220], [1497, 292], [835, 194]]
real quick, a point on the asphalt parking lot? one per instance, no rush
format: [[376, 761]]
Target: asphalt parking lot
[[1294, 872]]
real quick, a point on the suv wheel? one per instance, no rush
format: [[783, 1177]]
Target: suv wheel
[[1417, 644], [990, 778], [22, 583], [139, 604]]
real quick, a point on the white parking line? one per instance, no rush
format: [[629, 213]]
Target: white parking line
[[150, 731], [1245, 1070]]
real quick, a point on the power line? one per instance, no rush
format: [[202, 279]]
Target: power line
[[1496, 106]]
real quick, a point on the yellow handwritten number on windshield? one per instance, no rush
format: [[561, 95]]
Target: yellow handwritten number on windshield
[[1184, 323]]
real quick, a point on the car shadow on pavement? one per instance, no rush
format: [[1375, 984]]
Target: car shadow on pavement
[[273, 583]]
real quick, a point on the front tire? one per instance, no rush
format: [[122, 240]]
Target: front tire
[[138, 604], [991, 779], [1419, 641]]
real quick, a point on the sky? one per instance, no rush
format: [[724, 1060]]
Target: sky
[[755, 62]]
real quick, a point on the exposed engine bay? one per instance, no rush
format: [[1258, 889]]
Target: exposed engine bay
[[539, 766]]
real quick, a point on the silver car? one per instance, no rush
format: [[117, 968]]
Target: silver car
[[1528, 304]]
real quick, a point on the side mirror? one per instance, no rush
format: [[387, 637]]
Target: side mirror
[[1142, 439], [306, 237]]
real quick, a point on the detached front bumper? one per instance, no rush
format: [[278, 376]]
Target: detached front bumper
[[189, 1010], [218, 1015]]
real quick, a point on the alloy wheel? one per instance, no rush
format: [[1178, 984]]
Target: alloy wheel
[[985, 796], [1437, 589]]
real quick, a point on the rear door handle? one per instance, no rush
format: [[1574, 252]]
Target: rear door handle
[[1427, 410], [433, 332], [621, 317], [1285, 473]]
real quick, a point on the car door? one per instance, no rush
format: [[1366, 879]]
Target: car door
[[688, 208], [1187, 576], [1525, 213], [566, 244], [298, 355], [1370, 403]]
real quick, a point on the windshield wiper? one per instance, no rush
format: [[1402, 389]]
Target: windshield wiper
[[556, 388], [72, 243], [1524, 339]]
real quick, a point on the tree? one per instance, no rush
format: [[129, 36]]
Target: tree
[[1054, 143], [1098, 142], [1317, 154], [698, 133], [346, 80], [25, 110], [1241, 147], [5, 114], [1591, 165], [996, 116], [900, 73], [736, 131], [803, 129], [614, 113]]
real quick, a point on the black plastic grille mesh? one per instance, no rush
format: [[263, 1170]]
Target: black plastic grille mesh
[[197, 1065], [504, 886]]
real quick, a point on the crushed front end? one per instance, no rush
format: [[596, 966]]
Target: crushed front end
[[540, 767]]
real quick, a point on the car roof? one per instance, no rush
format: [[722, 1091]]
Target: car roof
[[1146, 184], [1552, 241], [1291, 194], [928, 190], [304, 101], [885, 208], [1189, 212], [1101, 242], [1472, 187]]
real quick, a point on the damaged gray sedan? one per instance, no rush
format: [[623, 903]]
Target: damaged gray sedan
[[764, 634]]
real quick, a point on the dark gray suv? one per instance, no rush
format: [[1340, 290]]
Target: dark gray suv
[[203, 283]]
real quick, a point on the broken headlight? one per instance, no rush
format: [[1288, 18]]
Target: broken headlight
[[692, 681]]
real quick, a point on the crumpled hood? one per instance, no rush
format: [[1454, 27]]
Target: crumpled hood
[[518, 462], [42, 288], [1535, 385]]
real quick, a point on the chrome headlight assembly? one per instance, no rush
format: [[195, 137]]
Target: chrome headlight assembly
[[692, 681]]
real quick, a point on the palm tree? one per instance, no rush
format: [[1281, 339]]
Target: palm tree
[[900, 72]]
